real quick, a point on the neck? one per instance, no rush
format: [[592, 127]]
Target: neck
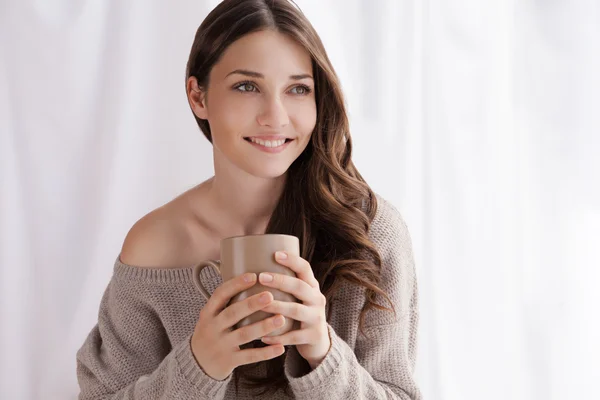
[[243, 203]]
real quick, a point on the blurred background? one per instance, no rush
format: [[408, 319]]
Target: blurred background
[[478, 120]]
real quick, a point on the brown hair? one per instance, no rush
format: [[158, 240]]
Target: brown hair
[[329, 206]]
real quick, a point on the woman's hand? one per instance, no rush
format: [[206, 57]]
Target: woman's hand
[[312, 339], [216, 346]]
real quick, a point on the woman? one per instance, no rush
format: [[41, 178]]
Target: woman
[[265, 95]]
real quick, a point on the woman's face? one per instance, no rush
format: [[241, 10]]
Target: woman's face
[[262, 89]]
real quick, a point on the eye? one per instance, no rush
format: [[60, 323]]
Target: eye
[[245, 87], [302, 90]]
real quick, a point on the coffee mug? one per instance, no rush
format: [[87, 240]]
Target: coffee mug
[[253, 253]]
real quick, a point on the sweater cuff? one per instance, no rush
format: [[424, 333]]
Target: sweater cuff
[[195, 375], [323, 373]]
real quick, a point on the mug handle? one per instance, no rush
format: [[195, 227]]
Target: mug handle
[[198, 268]]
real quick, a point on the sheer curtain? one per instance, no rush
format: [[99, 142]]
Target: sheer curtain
[[476, 119]]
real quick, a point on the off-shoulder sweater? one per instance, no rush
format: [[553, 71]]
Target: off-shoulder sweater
[[140, 347]]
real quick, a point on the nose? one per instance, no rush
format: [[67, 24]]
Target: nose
[[274, 114]]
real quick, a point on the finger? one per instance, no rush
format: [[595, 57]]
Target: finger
[[300, 336], [292, 310], [240, 310], [223, 294], [251, 356], [255, 331], [289, 284], [299, 265]]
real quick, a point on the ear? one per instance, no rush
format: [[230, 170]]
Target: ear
[[197, 98]]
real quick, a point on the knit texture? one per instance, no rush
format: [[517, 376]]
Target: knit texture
[[140, 347]]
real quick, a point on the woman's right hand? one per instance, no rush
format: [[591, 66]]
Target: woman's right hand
[[216, 346]]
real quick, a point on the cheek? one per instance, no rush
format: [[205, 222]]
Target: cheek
[[231, 116], [305, 118], [236, 115]]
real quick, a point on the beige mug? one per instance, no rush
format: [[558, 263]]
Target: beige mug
[[253, 253]]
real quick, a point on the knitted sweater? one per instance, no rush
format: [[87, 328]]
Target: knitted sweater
[[140, 347]]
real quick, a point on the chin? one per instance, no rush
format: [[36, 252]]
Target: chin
[[262, 171], [267, 173]]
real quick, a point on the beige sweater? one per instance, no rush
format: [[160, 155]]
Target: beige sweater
[[140, 347]]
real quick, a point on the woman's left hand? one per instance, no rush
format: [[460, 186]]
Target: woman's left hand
[[312, 339]]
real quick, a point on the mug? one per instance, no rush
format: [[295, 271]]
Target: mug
[[253, 253]]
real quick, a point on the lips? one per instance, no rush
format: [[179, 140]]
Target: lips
[[269, 137], [247, 139], [267, 149]]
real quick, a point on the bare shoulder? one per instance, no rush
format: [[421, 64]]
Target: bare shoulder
[[162, 238]]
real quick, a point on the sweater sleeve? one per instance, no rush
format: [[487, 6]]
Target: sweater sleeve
[[381, 363], [127, 355], [374, 370]]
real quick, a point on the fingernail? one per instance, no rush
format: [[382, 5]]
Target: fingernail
[[281, 255], [249, 277], [264, 298], [264, 277], [279, 320]]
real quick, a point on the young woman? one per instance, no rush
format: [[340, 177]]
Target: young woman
[[265, 95]]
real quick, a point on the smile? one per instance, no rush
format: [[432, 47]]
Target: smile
[[269, 146]]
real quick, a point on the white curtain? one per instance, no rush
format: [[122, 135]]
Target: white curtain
[[478, 120]]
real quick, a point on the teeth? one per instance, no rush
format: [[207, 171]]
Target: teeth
[[268, 143]]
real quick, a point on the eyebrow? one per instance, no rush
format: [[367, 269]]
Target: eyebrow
[[259, 75]]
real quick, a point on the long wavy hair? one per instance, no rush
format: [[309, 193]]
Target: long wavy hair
[[326, 203]]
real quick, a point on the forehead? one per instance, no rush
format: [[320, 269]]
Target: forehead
[[270, 53]]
